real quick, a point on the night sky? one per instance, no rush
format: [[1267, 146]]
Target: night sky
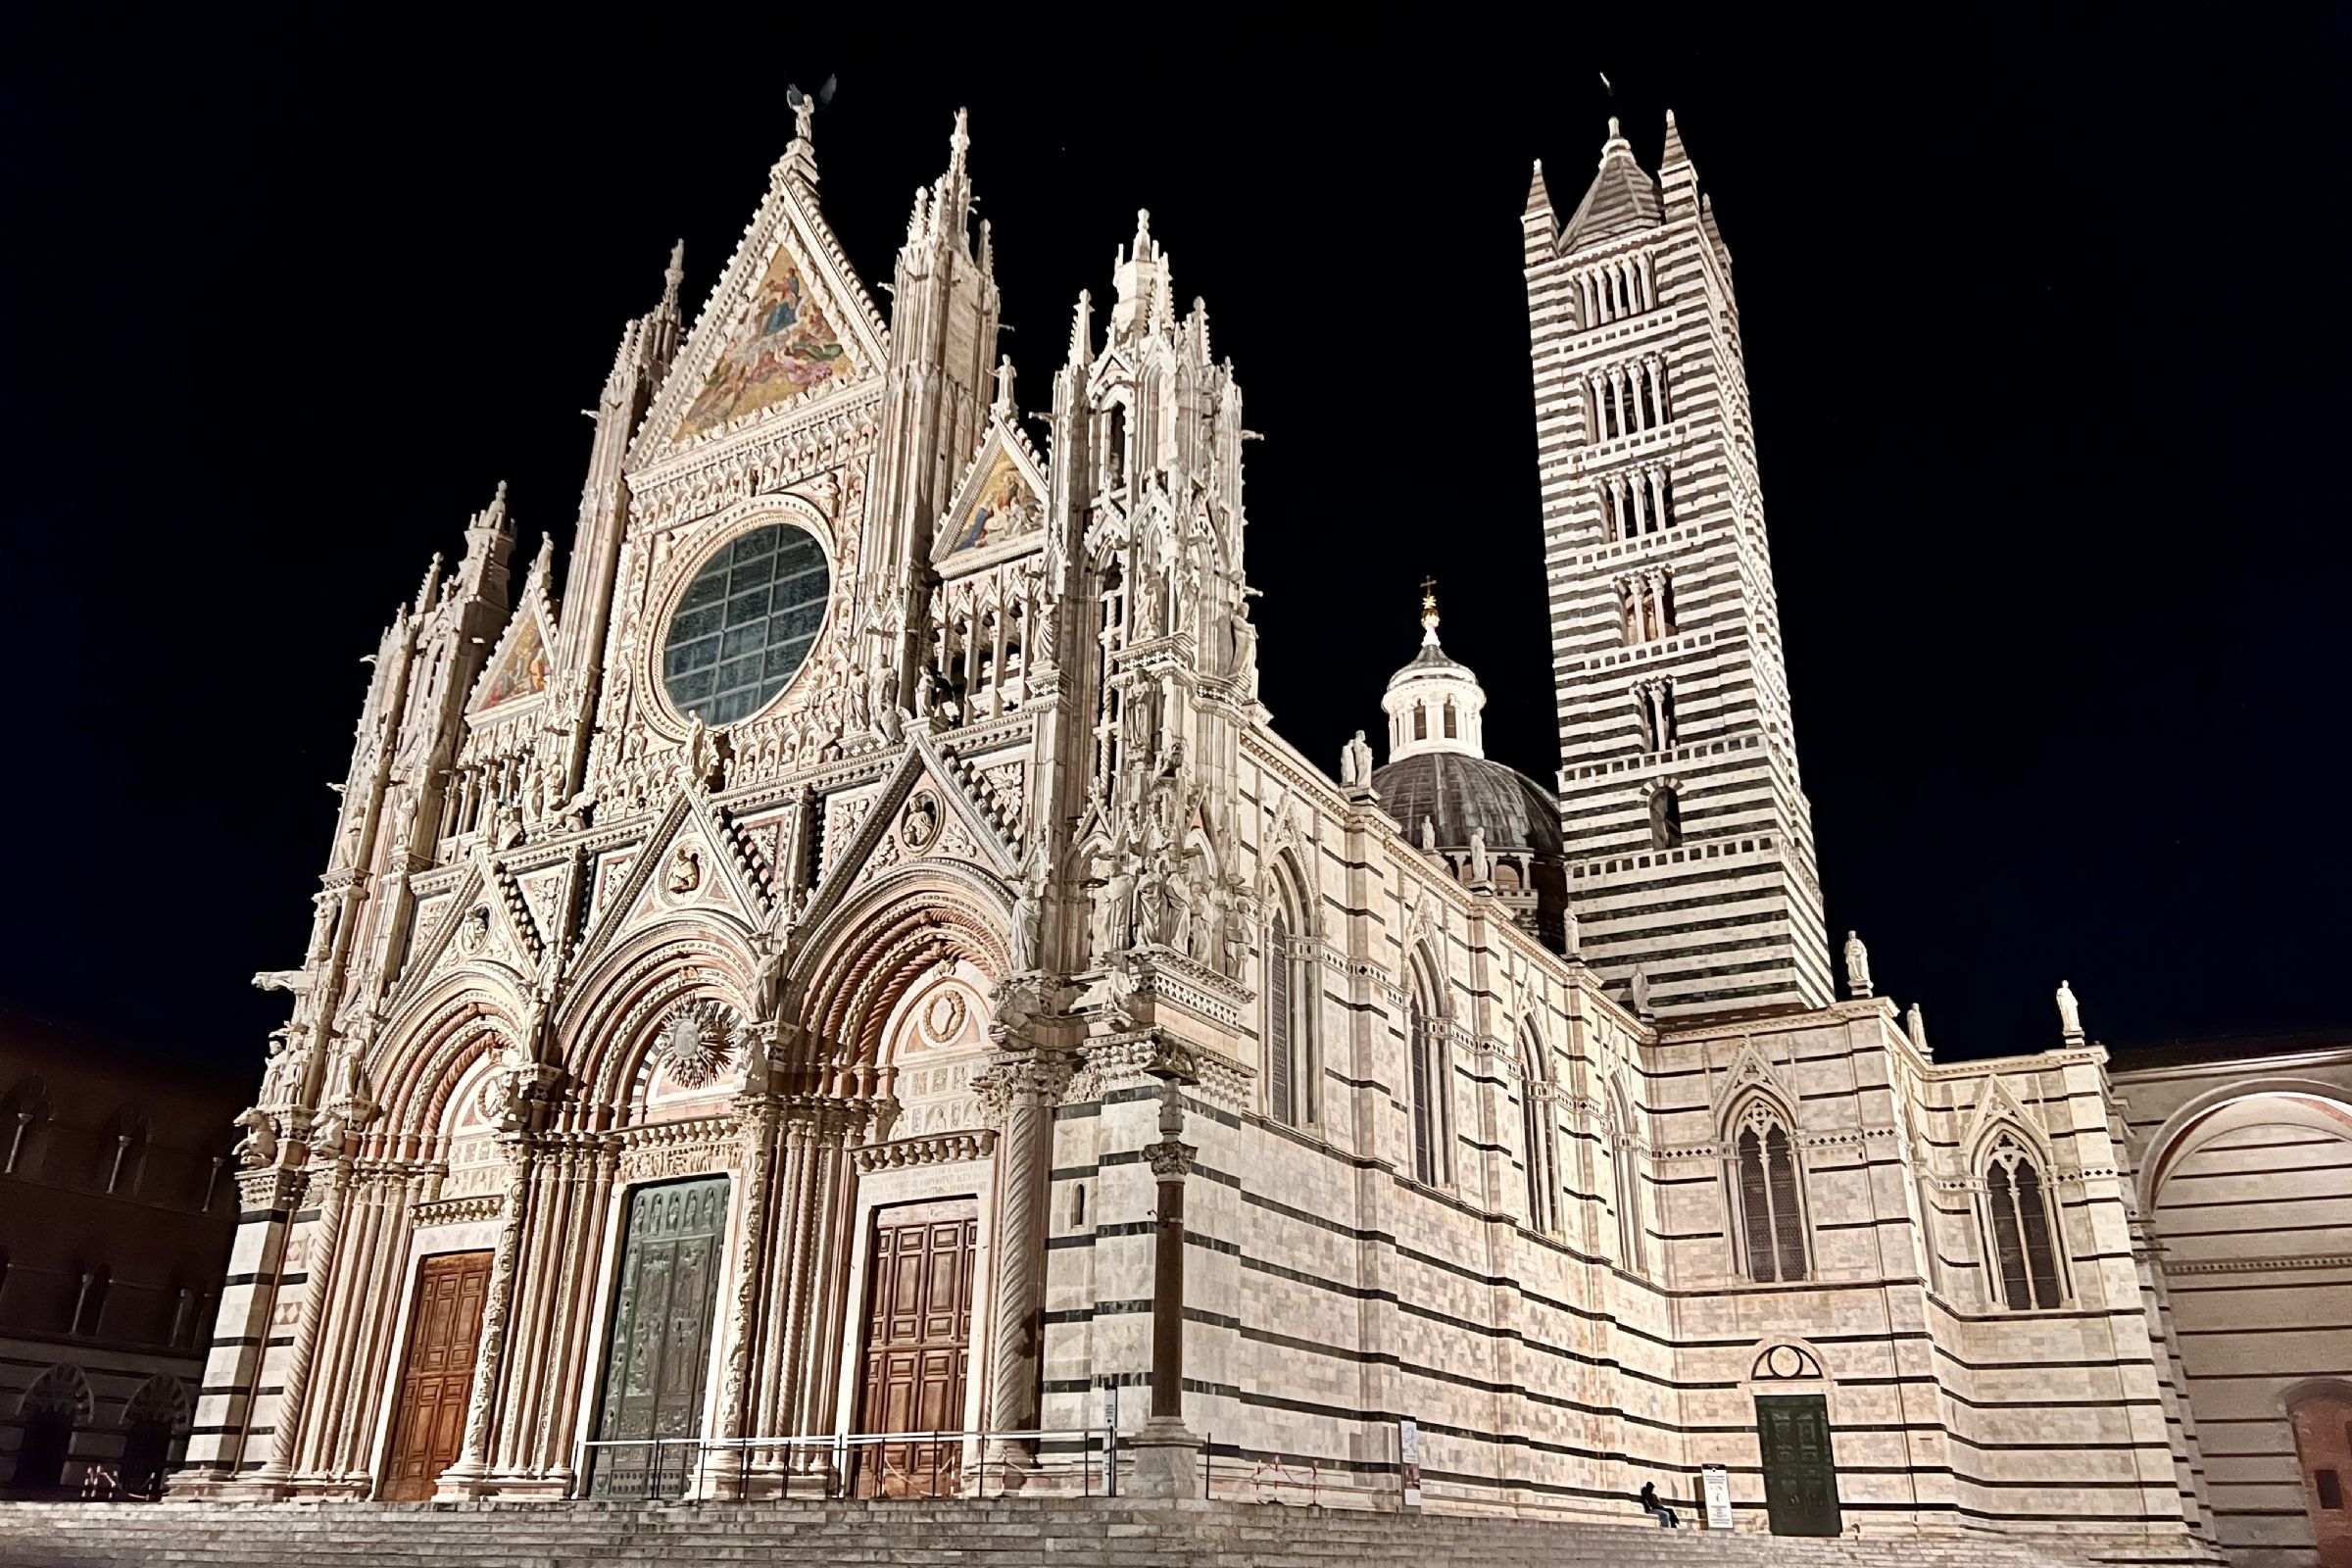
[[2045, 331]]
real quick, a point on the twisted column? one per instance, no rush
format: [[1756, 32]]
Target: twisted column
[[497, 1307], [319, 1276], [743, 1319]]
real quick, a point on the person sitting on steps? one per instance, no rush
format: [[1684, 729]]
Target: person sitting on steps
[[1650, 1504]]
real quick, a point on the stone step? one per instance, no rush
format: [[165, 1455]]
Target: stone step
[[1000, 1532]]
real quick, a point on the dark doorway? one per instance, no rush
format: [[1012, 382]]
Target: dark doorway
[[42, 1450], [445, 1331], [146, 1449], [659, 1355], [1800, 1473], [919, 1335]]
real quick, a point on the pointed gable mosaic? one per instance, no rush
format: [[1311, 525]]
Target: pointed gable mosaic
[[522, 670], [785, 345]]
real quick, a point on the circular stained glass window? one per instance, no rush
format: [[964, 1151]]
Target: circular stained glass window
[[746, 623]]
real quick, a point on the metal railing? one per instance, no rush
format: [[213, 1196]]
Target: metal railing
[[851, 1464]]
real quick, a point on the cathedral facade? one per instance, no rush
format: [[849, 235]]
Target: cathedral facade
[[772, 989]]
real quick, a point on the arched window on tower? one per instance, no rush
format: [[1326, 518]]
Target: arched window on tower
[[1426, 1066], [1772, 1221], [1665, 818], [1450, 722], [1539, 1139], [1420, 721], [2017, 1223], [24, 1118]]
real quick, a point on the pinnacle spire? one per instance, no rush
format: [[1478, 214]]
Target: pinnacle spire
[[1673, 153], [959, 142], [1539, 199], [673, 277], [1082, 329]]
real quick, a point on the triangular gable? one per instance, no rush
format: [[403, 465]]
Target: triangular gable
[[962, 826], [1001, 505], [487, 922], [692, 861], [1998, 1103], [789, 321], [517, 669]]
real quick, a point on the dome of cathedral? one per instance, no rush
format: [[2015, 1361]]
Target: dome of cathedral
[[1458, 793], [1439, 783]]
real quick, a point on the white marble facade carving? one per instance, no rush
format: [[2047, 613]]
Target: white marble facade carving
[[885, 787]]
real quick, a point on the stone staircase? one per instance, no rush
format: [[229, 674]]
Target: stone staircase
[[1002, 1533]]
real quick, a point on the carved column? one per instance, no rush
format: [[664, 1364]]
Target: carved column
[[1018, 1092], [575, 1301], [462, 1478], [774, 1373], [1167, 1455], [343, 1332], [318, 1281], [817, 1349], [736, 1392]]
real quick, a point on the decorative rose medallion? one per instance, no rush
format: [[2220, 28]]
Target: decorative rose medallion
[[696, 1045]]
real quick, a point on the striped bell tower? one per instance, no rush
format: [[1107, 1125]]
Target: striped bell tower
[[1689, 839]]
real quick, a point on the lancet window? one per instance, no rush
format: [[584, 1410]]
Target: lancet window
[[1766, 1197], [1538, 1138], [1427, 1065], [1636, 501], [1626, 1171], [1653, 708], [1646, 607], [2018, 1229], [1665, 818], [1616, 290], [1626, 398]]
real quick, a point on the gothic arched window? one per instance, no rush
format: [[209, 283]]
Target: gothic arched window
[[1626, 1171], [1538, 1136], [1280, 1046], [1420, 721], [1772, 1221], [1665, 818], [2017, 1215], [1426, 1066], [1449, 718]]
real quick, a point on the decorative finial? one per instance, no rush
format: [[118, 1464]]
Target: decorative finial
[[1082, 329], [959, 142], [1142, 230], [1669, 119], [673, 277], [1429, 610], [1614, 133]]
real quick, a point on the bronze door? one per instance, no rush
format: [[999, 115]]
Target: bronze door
[[1800, 1473], [445, 1330], [919, 1334], [660, 1350]]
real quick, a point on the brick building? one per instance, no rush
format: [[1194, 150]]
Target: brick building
[[117, 1200]]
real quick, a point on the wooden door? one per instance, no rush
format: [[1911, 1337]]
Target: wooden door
[[919, 1335], [445, 1330], [1800, 1473], [658, 1355]]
